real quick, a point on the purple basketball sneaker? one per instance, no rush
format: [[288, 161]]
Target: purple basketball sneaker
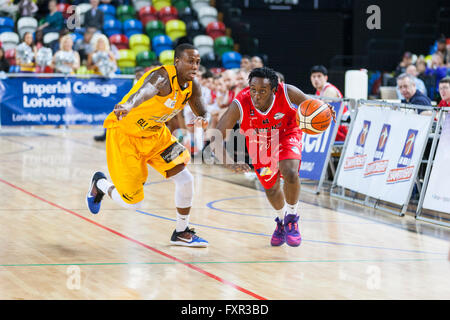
[[293, 237], [279, 235]]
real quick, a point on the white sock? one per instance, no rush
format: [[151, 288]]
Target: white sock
[[291, 208], [182, 222], [281, 212], [104, 185]]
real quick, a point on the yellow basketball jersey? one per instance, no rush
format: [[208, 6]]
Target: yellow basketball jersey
[[150, 116]]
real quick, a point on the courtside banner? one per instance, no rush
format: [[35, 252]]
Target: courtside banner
[[52, 101], [383, 153], [437, 196], [315, 149]]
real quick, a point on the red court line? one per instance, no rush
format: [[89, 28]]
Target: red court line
[[206, 273]]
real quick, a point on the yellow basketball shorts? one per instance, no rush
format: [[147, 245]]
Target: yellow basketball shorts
[[128, 156]]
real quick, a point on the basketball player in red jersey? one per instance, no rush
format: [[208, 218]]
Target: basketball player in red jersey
[[268, 121], [319, 80]]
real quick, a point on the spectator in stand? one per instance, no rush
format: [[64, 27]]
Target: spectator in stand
[[26, 53], [240, 81], [444, 91], [407, 87], [54, 21], [406, 61], [319, 80], [4, 64], [94, 17], [442, 48], [280, 76], [437, 69], [84, 45], [246, 64], [256, 62], [27, 8], [420, 85], [102, 60], [66, 60], [39, 39]]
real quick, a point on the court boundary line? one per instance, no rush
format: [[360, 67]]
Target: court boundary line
[[170, 257]]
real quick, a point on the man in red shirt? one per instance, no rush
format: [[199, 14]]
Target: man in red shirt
[[444, 91], [267, 119]]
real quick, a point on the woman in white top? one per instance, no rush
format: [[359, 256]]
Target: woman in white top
[[66, 60], [101, 60]]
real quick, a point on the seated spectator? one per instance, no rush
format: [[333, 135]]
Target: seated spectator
[[246, 64], [27, 8], [4, 64], [66, 60], [8, 8], [84, 45], [54, 21], [94, 17], [240, 81], [39, 39], [420, 85], [442, 48], [407, 87], [256, 62], [26, 53], [280, 76], [444, 91], [437, 69], [102, 60], [406, 61]]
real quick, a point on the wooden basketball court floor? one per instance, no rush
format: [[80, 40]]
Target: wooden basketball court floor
[[51, 247]]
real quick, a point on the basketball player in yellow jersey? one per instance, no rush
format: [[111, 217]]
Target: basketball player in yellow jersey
[[137, 135]]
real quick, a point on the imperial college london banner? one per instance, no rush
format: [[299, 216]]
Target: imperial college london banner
[[52, 101], [383, 153], [437, 196]]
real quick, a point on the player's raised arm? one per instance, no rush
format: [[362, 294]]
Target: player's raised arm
[[152, 86], [228, 120], [298, 97]]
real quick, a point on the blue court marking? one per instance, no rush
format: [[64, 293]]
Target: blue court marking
[[17, 151], [211, 206], [304, 240]]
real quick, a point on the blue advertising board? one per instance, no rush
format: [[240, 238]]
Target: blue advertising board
[[54, 101], [315, 149]]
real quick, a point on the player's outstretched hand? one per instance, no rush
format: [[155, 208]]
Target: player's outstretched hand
[[199, 122], [333, 113], [120, 111]]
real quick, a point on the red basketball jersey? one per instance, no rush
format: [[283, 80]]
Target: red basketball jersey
[[265, 130]]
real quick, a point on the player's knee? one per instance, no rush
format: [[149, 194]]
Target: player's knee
[[184, 188], [290, 175]]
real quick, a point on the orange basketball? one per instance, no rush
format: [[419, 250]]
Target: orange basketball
[[314, 116]]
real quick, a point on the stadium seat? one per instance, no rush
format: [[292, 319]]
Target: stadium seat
[[204, 44], [6, 24], [167, 13], [161, 43], [111, 27], [145, 58], [81, 10], [211, 60], [175, 29], [109, 11], [197, 4], [139, 42], [119, 40], [10, 56], [184, 39], [154, 28], [167, 57], [63, 7], [14, 69], [187, 15], [223, 44], [125, 12], [194, 28], [9, 40], [147, 13], [127, 58], [249, 46], [132, 26], [139, 4], [76, 36], [50, 37], [216, 29], [127, 70], [158, 4], [180, 4], [26, 24], [206, 15], [231, 60]]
